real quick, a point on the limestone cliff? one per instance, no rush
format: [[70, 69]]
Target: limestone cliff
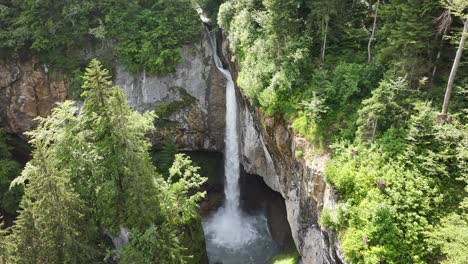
[[268, 149]]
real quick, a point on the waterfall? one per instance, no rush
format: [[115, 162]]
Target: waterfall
[[228, 227], [231, 140]]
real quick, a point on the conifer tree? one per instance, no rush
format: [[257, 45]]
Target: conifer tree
[[122, 177], [409, 32], [53, 225]]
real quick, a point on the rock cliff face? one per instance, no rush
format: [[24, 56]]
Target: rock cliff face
[[268, 149], [197, 122], [25, 93]]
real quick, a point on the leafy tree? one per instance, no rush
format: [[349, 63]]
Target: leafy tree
[[43, 28], [162, 28], [155, 245], [451, 237], [397, 189], [164, 243]]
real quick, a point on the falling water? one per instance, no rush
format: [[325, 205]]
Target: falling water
[[228, 227]]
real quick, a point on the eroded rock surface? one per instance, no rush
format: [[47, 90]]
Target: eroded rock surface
[[26, 92]]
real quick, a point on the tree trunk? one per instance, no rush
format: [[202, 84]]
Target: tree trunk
[[456, 63], [369, 45], [374, 130], [324, 47]]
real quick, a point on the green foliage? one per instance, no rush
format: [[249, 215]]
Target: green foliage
[[92, 171], [451, 237], [9, 169], [398, 189], [3, 246], [299, 154], [149, 35], [153, 38], [383, 109], [154, 245], [408, 30], [164, 111], [166, 157], [398, 171], [54, 224], [183, 180]]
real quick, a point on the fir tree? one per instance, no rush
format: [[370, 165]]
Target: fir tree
[[409, 32], [122, 177], [53, 224]]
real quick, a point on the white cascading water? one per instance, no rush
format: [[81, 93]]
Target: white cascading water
[[228, 227]]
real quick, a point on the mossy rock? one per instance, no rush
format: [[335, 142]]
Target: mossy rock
[[164, 111]]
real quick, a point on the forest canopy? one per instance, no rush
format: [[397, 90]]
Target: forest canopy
[[142, 34]]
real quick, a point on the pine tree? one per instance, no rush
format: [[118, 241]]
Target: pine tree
[[53, 225]]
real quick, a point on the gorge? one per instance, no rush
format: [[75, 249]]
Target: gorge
[[233, 131], [200, 126]]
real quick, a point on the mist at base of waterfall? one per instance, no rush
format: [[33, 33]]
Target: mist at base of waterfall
[[234, 239]]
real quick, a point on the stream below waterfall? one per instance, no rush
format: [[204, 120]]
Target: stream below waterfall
[[263, 207]]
